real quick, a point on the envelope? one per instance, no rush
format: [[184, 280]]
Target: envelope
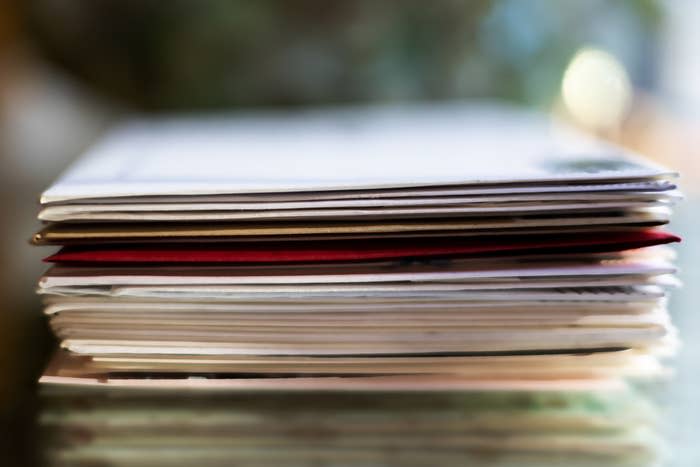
[[362, 250], [362, 149], [58, 233]]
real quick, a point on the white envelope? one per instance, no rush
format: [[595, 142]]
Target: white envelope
[[360, 148]]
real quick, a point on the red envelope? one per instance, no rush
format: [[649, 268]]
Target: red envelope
[[362, 250]]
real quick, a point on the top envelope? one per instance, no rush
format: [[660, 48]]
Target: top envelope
[[360, 149]]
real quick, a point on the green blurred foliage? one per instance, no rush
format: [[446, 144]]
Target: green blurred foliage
[[186, 54]]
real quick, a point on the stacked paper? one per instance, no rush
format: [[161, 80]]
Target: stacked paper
[[442, 248]]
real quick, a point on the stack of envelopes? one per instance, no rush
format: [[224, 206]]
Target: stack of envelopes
[[392, 248], [509, 267]]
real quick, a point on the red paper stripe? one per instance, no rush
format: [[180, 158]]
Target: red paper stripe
[[357, 250]]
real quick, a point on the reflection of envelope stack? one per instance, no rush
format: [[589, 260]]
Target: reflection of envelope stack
[[421, 248], [490, 429]]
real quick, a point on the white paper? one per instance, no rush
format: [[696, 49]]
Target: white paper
[[359, 148]]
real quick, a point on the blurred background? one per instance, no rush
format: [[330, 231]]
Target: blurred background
[[626, 70]]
